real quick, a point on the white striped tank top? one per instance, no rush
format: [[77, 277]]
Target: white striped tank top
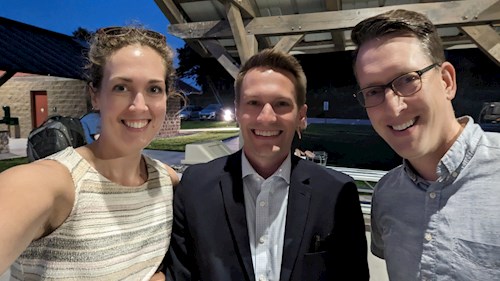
[[113, 232]]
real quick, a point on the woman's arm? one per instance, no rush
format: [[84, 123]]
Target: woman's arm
[[35, 199], [159, 276], [173, 175]]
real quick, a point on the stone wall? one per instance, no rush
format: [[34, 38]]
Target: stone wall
[[65, 97], [4, 142]]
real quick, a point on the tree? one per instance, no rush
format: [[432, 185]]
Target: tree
[[202, 70], [82, 34]]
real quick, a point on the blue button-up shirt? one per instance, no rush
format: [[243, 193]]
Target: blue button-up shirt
[[448, 229]]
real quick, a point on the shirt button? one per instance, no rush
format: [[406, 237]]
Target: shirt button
[[428, 237], [262, 278], [454, 174], [262, 203], [432, 195], [262, 240]]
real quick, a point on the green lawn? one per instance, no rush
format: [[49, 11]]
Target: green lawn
[[5, 164], [177, 143], [207, 124], [356, 146]]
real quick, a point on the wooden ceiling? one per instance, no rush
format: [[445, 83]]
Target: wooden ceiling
[[233, 30]]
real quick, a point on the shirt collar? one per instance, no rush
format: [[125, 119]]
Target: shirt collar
[[283, 171], [462, 149], [457, 156]]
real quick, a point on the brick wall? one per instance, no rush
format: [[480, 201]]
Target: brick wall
[[172, 122], [64, 96]]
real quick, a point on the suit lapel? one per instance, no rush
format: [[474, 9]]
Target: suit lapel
[[299, 196], [231, 185]]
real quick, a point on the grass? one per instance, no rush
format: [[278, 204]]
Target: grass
[[5, 164], [207, 124], [178, 143], [356, 146]]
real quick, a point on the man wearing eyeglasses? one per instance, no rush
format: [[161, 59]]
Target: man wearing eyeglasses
[[436, 216]]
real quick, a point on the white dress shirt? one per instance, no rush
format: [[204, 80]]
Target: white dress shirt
[[266, 203]]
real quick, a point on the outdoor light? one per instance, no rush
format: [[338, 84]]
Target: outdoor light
[[228, 115]]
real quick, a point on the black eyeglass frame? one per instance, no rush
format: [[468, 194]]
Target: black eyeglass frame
[[360, 97]]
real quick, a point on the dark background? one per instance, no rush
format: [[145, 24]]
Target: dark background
[[330, 78]]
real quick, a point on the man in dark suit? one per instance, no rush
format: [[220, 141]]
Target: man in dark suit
[[263, 213]]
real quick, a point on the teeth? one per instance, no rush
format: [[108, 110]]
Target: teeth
[[404, 125], [266, 133], [136, 124]]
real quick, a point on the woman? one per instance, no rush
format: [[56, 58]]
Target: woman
[[101, 211]]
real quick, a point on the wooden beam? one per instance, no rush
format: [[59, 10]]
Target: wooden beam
[[493, 12], [485, 36], [286, 43], [238, 32], [170, 10], [174, 16], [333, 5], [252, 47], [442, 14], [247, 8], [487, 39], [220, 54], [338, 38]]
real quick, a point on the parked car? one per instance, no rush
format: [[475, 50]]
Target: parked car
[[216, 112], [489, 117], [490, 113], [190, 112]]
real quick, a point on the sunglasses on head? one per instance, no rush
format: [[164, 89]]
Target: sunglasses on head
[[122, 31]]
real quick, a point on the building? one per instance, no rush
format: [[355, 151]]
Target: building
[[41, 74]]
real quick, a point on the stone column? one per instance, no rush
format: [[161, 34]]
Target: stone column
[[4, 142]]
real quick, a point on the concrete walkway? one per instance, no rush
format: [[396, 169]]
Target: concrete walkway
[[17, 148]]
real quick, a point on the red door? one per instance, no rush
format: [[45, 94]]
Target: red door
[[39, 107]]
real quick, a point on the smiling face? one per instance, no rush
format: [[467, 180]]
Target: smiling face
[[417, 127], [268, 116], [132, 97]]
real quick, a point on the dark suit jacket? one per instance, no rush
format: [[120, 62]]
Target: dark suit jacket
[[324, 233]]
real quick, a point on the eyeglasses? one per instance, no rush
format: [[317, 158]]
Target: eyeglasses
[[117, 31], [404, 85]]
